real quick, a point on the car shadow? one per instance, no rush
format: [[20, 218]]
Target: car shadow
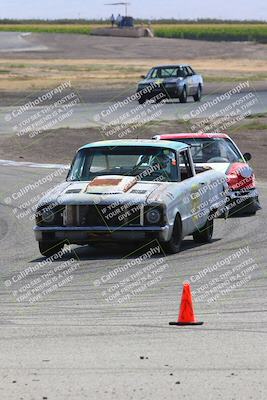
[[236, 215], [113, 251], [171, 101], [178, 102]]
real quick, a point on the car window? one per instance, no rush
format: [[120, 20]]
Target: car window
[[181, 72], [214, 149], [167, 72], [185, 166], [187, 71], [155, 73], [145, 163], [190, 70]]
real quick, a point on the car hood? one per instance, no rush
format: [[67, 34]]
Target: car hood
[[105, 190], [159, 80]]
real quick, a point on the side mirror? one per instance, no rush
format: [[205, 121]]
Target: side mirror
[[247, 156], [143, 76]]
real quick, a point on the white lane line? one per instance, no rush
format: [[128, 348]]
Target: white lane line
[[10, 163]]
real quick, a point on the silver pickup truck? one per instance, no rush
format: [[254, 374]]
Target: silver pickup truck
[[131, 190]]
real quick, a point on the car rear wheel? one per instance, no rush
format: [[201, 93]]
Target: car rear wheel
[[48, 249], [183, 96], [174, 244], [204, 235], [198, 94]]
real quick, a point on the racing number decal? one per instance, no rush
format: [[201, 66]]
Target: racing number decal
[[195, 203]]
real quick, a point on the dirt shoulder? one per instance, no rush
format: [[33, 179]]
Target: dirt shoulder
[[91, 62], [73, 46], [22, 75]]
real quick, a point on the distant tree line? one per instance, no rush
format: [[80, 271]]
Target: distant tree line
[[137, 20]]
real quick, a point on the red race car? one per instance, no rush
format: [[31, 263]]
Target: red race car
[[218, 151]]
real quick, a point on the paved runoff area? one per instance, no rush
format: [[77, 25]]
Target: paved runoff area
[[101, 334], [92, 322]]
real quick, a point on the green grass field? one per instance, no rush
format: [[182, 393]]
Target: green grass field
[[201, 31], [51, 28], [215, 32]]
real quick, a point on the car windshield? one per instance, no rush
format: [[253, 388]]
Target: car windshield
[[143, 162], [213, 150], [167, 72]]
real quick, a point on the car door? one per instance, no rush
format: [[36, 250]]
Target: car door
[[195, 79], [195, 202], [190, 83]]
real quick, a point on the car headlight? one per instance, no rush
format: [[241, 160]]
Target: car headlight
[[153, 216], [48, 216]]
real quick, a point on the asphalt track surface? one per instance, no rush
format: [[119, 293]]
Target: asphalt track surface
[[73, 344], [85, 115]]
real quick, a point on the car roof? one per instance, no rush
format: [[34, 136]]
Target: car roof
[[173, 136], [171, 65], [137, 142]]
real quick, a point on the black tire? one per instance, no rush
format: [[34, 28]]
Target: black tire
[[197, 96], [183, 96], [48, 249], [174, 244], [205, 234]]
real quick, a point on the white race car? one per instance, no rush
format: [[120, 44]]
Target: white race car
[[131, 190]]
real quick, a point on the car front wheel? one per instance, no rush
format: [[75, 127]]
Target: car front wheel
[[204, 235], [174, 244], [183, 96], [198, 94]]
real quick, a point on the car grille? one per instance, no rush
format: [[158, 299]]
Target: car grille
[[99, 215]]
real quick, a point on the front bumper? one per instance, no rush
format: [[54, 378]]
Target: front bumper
[[243, 201], [171, 91], [86, 234]]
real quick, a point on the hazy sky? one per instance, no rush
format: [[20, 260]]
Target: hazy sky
[[229, 9]]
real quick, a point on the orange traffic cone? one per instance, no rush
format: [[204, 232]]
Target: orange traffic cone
[[186, 314]]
